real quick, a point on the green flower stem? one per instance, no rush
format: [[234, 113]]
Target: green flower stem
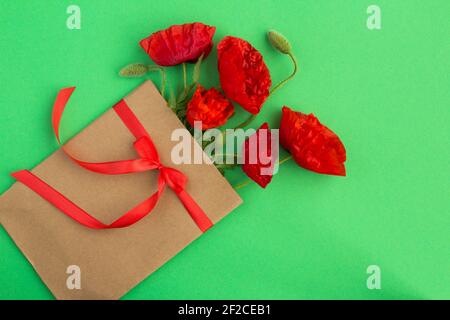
[[162, 72], [226, 166], [246, 182], [241, 125], [246, 122], [184, 76], [282, 83], [163, 81], [242, 184], [287, 158], [235, 156], [182, 99]]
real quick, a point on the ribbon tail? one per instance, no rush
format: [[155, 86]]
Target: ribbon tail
[[196, 213], [141, 210], [112, 167], [57, 199], [137, 213]]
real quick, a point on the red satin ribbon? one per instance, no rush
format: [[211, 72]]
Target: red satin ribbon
[[148, 160]]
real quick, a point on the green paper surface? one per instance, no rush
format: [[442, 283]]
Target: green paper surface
[[307, 236]]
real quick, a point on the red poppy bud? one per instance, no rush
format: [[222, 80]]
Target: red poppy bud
[[312, 145], [244, 76], [179, 43], [210, 107], [258, 170]]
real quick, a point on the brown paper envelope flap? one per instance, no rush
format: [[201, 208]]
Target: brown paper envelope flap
[[52, 241]]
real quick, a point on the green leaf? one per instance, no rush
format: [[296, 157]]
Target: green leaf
[[184, 95], [134, 70], [154, 68], [172, 100], [162, 71], [222, 172], [196, 74]]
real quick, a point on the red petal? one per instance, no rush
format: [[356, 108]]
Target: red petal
[[254, 170], [244, 76], [210, 107], [179, 43], [312, 145]]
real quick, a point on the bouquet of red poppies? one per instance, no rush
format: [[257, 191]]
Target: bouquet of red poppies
[[245, 80]]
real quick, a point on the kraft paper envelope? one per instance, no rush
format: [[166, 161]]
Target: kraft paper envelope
[[111, 261]]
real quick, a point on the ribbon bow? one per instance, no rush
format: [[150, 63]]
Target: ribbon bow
[[148, 160]]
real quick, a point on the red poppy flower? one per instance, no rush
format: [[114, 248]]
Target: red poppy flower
[[210, 107], [312, 145], [259, 158], [179, 43], [244, 76]]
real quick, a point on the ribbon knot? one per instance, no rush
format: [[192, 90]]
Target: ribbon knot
[[148, 160], [146, 150], [174, 178]]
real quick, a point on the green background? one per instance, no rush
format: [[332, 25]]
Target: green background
[[385, 93]]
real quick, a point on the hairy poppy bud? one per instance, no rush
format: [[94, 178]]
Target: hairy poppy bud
[[279, 42], [134, 70]]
